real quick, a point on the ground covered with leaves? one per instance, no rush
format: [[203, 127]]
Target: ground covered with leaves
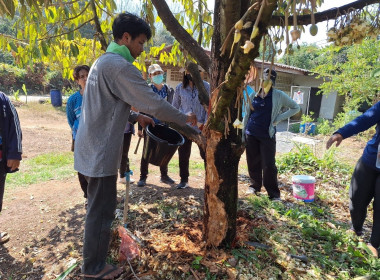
[[44, 215]]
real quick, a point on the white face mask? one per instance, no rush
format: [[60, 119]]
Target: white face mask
[[158, 79]]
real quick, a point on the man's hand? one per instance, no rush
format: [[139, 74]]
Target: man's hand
[[335, 138], [140, 133], [13, 164], [192, 119], [144, 121]]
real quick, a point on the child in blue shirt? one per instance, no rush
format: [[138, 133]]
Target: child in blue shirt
[[73, 111]]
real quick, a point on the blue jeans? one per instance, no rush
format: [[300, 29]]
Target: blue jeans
[[101, 196]]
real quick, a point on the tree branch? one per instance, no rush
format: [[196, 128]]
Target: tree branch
[[21, 42], [64, 33], [182, 36], [63, 24], [98, 27], [323, 16], [190, 133]]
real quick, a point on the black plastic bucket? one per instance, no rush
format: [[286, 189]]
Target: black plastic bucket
[[161, 144]]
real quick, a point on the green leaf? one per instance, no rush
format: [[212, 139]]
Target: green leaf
[[375, 73], [67, 272], [67, 12], [24, 89], [13, 46], [74, 50]]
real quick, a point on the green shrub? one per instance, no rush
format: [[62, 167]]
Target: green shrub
[[307, 118], [324, 127], [54, 80], [11, 77], [295, 128], [34, 77], [303, 161]]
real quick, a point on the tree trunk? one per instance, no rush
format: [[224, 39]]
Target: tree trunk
[[224, 145], [221, 191]]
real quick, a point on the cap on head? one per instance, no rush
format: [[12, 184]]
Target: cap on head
[[273, 74], [154, 68]]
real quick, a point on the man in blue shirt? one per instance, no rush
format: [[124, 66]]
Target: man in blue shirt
[[365, 182]]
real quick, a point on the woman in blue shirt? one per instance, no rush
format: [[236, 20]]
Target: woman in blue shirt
[[73, 111], [365, 181]]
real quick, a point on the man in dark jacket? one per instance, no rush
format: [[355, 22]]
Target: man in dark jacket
[[10, 146]]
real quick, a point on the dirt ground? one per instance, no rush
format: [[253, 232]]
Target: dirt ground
[[45, 221]]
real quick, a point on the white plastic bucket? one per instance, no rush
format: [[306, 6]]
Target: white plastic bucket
[[303, 187]]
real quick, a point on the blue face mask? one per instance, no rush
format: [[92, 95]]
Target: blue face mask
[[158, 79]]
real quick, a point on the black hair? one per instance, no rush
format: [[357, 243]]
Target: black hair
[[185, 80], [127, 22], [273, 74], [78, 69]]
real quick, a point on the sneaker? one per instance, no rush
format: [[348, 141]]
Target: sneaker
[[141, 183], [167, 180], [182, 185], [276, 199]]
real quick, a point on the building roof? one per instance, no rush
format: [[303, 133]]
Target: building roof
[[279, 67]]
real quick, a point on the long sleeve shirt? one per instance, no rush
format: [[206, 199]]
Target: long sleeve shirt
[[280, 100], [73, 111], [11, 135], [370, 118], [113, 86], [186, 100]]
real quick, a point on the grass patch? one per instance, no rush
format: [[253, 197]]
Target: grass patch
[[312, 230], [51, 166]]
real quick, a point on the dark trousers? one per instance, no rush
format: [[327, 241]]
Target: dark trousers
[[81, 177], [365, 185], [100, 214], [184, 153], [124, 164], [3, 176], [83, 183], [261, 161], [144, 165]]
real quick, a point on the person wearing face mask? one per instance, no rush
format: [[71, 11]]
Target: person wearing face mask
[[156, 75], [262, 113], [73, 111], [186, 100]]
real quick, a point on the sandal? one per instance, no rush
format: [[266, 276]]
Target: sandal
[[101, 277], [4, 237]]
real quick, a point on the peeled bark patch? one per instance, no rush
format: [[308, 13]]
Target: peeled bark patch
[[215, 214]]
